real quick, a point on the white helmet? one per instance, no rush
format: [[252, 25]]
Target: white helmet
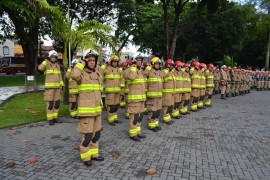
[[74, 61], [223, 67], [53, 53]]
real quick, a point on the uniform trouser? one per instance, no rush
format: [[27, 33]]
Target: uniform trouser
[[228, 88], [185, 102], [90, 130], [201, 98], [73, 104], [122, 99], [268, 84], [265, 84], [167, 106], [241, 87], [154, 106], [237, 87], [216, 88], [195, 93], [253, 83], [112, 101], [259, 84], [233, 88], [223, 87], [52, 98], [126, 107], [135, 110], [208, 95], [177, 104]]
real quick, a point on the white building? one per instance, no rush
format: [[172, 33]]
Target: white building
[[7, 48]]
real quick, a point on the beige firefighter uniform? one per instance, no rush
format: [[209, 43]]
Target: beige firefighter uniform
[[216, 81], [73, 94], [153, 95], [186, 89], [228, 84], [202, 89], [53, 83], [112, 77], [89, 108], [223, 82], [209, 87], [135, 98], [179, 82], [195, 86], [168, 92]]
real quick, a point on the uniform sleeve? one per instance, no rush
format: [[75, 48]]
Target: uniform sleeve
[[68, 73], [42, 66], [76, 72], [147, 71], [131, 73]]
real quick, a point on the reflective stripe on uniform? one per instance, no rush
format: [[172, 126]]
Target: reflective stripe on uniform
[[138, 129], [154, 80], [175, 113], [153, 94], [195, 85], [152, 124], [73, 90], [112, 76], [168, 78], [168, 90], [50, 115], [136, 81], [208, 102], [73, 113], [83, 87], [44, 63], [134, 69], [193, 107], [195, 76], [80, 66], [210, 85], [109, 89], [86, 154], [136, 97], [89, 109], [52, 84], [52, 72], [94, 151], [167, 118], [55, 115], [132, 131], [200, 104]]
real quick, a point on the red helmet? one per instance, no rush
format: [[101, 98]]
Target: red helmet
[[129, 62], [169, 61], [202, 65], [195, 63], [178, 64], [124, 64], [186, 65], [145, 64], [210, 65]]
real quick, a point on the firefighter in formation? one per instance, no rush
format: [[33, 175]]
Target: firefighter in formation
[[166, 92]]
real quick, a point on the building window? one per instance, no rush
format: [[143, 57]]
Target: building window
[[6, 50]]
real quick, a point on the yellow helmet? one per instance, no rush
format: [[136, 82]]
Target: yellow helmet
[[155, 60], [114, 58]]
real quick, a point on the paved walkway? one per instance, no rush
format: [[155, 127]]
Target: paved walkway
[[240, 149], [7, 92]]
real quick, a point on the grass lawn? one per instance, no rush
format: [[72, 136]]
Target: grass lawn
[[18, 80], [26, 108]]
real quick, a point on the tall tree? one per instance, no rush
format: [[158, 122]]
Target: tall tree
[[25, 15]]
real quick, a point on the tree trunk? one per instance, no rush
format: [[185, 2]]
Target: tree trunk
[[65, 62], [30, 50], [166, 26], [268, 52]]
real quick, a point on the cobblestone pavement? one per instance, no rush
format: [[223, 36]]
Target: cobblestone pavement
[[240, 148]]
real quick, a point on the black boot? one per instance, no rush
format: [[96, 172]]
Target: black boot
[[222, 96], [135, 138], [233, 94], [51, 122], [154, 129], [99, 158], [87, 163], [158, 128], [117, 121], [227, 95], [141, 136], [57, 121], [112, 123]]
